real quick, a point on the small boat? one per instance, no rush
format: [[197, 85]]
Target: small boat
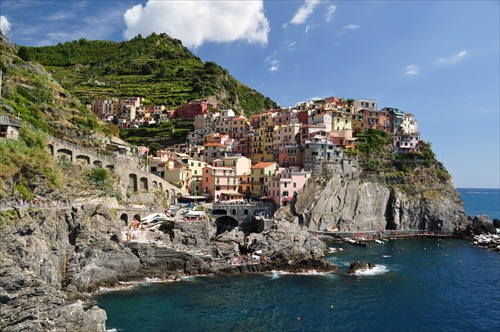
[[356, 242], [386, 256], [378, 241]]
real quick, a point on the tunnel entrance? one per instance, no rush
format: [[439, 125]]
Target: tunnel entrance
[[225, 224]]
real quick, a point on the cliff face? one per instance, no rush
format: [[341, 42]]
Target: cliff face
[[355, 205]]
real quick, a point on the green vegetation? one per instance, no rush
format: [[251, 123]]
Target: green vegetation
[[8, 216], [158, 68], [99, 178], [25, 162], [375, 154]]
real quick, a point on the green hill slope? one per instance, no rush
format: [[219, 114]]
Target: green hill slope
[[158, 68]]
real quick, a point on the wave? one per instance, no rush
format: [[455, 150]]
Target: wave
[[378, 269], [277, 274]]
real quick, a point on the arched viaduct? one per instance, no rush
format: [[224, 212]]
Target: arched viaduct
[[124, 166]]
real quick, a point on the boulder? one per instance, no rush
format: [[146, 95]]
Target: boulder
[[482, 225], [359, 266], [496, 223]]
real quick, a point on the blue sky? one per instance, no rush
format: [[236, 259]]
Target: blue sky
[[436, 59]]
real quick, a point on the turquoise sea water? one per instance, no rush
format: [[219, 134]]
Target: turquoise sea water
[[425, 285]]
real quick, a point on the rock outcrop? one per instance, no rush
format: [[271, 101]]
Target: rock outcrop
[[482, 224], [352, 205], [53, 258], [359, 266]]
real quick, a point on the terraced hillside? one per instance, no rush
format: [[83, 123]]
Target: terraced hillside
[[158, 68]]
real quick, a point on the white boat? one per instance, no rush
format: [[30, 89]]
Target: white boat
[[155, 217], [378, 241]]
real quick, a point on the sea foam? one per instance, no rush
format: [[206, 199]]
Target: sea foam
[[378, 269]]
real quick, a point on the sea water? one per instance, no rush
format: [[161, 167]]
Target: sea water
[[417, 285], [481, 201]]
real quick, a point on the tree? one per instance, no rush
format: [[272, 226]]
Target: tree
[[146, 69]]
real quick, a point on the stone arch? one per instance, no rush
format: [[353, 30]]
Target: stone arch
[[51, 148], [132, 182], [225, 224], [144, 184], [219, 211], [97, 163], [161, 185], [233, 212], [155, 185], [124, 218], [65, 152], [82, 159], [137, 217]]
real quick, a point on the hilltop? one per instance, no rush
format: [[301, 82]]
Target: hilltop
[[158, 68]]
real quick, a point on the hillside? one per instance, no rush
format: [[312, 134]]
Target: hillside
[[158, 68]]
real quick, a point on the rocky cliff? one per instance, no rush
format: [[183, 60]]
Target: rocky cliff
[[52, 259], [353, 204]]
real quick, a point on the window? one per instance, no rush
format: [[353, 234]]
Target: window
[[192, 163], [195, 172], [295, 185], [217, 188]]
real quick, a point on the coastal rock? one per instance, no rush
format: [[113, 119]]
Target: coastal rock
[[359, 266], [352, 205], [482, 225], [491, 241], [53, 257], [34, 267], [496, 223]]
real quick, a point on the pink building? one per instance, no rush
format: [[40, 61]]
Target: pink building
[[220, 182], [286, 183], [406, 142]]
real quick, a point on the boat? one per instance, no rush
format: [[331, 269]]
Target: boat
[[356, 242], [378, 241], [154, 218], [386, 256]]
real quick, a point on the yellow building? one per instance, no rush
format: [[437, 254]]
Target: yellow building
[[259, 174], [196, 167]]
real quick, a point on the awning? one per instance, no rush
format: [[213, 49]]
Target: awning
[[231, 193]]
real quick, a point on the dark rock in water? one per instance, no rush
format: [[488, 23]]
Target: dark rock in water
[[496, 223], [359, 266], [482, 225]]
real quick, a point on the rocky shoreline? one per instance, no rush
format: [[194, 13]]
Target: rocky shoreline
[[51, 259], [54, 260]]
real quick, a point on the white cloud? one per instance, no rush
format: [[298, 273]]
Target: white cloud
[[271, 59], [454, 58], [307, 29], [329, 13], [304, 11], [290, 46], [64, 15], [412, 70], [274, 65], [351, 27], [195, 22], [4, 25]]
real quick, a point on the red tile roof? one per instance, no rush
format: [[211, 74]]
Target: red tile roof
[[264, 164]]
